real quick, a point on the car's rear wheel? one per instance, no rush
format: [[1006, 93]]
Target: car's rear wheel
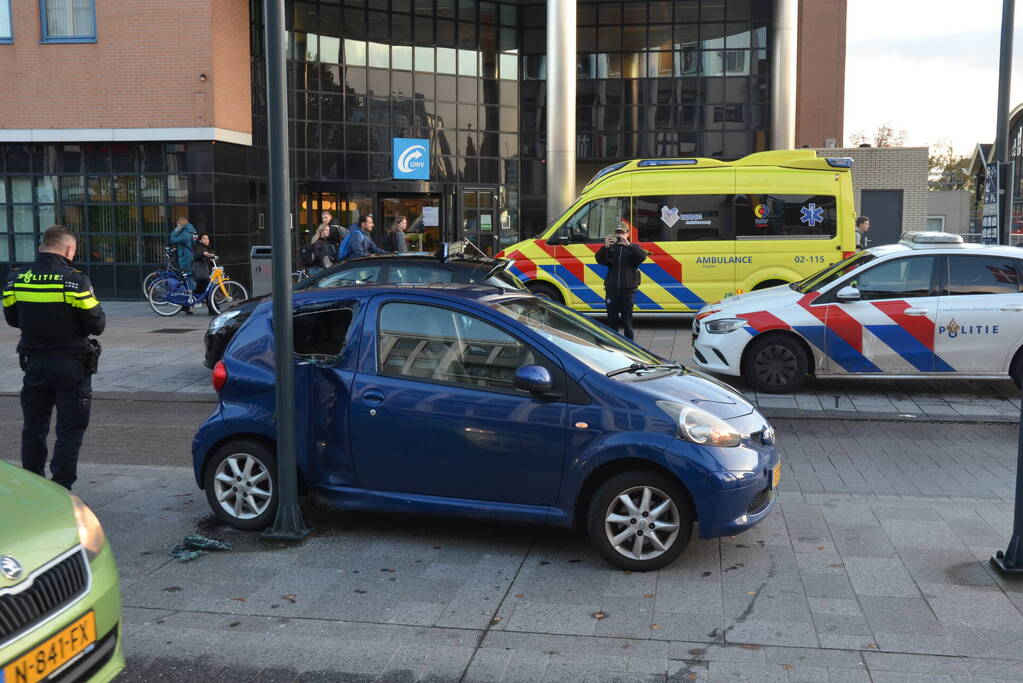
[[546, 291], [1016, 369], [775, 364], [241, 484], [640, 520]]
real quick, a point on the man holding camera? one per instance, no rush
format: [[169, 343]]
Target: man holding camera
[[53, 305], [622, 259]]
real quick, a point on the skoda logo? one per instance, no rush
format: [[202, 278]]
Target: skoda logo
[[10, 567], [412, 159]]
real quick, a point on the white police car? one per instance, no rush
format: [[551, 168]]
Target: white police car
[[929, 305]]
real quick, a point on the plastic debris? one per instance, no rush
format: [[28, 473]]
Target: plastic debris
[[194, 546]]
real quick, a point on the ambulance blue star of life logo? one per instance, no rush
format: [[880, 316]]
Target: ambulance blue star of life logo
[[811, 214]]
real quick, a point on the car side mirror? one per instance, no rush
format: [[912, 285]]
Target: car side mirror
[[848, 293], [535, 379]]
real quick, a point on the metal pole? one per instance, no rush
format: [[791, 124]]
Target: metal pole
[[1002, 131], [288, 524], [784, 49], [561, 67]]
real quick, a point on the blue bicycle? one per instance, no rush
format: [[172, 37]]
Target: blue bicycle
[[169, 291]]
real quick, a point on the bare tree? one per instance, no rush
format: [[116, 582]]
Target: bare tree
[[884, 136]]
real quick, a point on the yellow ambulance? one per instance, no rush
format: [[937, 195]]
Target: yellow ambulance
[[712, 228]]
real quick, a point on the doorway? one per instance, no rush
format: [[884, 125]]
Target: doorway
[[478, 220], [884, 208], [423, 212]]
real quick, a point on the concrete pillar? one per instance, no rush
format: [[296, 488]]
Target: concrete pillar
[[784, 48], [561, 67]]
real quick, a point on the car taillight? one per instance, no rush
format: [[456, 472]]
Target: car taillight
[[219, 377], [847, 254]]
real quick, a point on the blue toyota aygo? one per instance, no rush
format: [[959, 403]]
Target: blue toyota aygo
[[470, 401]]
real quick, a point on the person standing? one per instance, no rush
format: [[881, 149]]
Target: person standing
[[358, 242], [862, 228], [201, 263], [183, 238], [394, 240], [622, 259], [334, 231], [54, 306], [323, 249]]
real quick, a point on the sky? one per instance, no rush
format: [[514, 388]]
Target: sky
[[929, 67]]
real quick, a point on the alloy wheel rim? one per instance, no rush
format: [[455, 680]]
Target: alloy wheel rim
[[243, 486], [776, 365], [641, 523]]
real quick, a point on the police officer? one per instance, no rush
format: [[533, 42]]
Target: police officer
[[54, 306]]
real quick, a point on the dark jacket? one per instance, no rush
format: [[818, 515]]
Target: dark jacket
[[622, 263], [337, 233], [53, 305], [324, 253], [201, 263], [394, 240]]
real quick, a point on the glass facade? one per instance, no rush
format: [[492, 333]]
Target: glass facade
[[655, 78]]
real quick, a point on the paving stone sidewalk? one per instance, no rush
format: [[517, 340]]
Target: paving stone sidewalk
[[831, 587], [147, 356]]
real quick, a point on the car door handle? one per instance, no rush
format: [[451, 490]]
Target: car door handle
[[1013, 307], [915, 311], [373, 397]]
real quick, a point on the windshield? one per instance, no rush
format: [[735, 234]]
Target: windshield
[[593, 344], [833, 272], [506, 280]]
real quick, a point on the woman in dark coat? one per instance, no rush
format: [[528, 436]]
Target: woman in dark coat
[[201, 263]]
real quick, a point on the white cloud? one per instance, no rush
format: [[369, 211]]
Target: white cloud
[[929, 67]]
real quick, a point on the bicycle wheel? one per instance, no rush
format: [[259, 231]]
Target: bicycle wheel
[[236, 294], [148, 281], [157, 296]]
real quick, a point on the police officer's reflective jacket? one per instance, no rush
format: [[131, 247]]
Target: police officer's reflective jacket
[[54, 306]]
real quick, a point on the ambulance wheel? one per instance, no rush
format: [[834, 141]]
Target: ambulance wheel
[[545, 291], [775, 364], [769, 283]]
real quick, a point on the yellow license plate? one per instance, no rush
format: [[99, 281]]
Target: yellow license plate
[[47, 657], [776, 476]]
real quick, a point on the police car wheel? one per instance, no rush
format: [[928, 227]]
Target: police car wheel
[[640, 520], [241, 485], [775, 364], [1016, 370], [546, 292]]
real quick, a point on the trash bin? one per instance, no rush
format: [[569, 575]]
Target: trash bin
[[261, 268]]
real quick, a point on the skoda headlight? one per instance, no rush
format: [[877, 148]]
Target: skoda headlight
[[90, 531], [723, 325], [701, 427], [221, 320]]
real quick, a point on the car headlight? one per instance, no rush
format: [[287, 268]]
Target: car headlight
[[90, 531], [723, 325], [701, 427], [221, 320]]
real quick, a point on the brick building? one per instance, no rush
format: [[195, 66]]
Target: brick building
[[120, 116]]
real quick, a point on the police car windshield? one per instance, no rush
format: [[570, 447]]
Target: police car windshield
[[576, 334], [833, 272]]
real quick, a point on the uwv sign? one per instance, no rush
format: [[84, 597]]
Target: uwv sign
[[411, 159]]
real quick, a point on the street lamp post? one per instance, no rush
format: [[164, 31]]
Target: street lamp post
[[288, 525]]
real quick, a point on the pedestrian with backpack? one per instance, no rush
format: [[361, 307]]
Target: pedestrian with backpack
[[358, 242]]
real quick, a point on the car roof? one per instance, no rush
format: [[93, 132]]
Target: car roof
[[969, 248], [423, 258], [446, 289]]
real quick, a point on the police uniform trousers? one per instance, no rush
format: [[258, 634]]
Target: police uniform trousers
[[61, 382], [619, 311]]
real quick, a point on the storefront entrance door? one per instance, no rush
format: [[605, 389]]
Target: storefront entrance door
[[423, 212], [478, 219]]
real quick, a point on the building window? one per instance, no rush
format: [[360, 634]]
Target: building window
[[936, 223], [6, 33], [68, 21]]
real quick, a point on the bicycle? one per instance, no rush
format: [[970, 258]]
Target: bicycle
[[169, 269], [299, 275], [167, 295]]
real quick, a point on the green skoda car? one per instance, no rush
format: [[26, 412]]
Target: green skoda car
[[60, 602]]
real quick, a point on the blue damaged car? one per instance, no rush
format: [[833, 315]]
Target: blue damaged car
[[470, 401]]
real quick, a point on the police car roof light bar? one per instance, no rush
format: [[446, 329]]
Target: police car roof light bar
[[840, 162], [931, 237]]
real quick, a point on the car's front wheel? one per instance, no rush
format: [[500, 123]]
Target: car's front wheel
[[640, 520], [775, 364], [241, 484]]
